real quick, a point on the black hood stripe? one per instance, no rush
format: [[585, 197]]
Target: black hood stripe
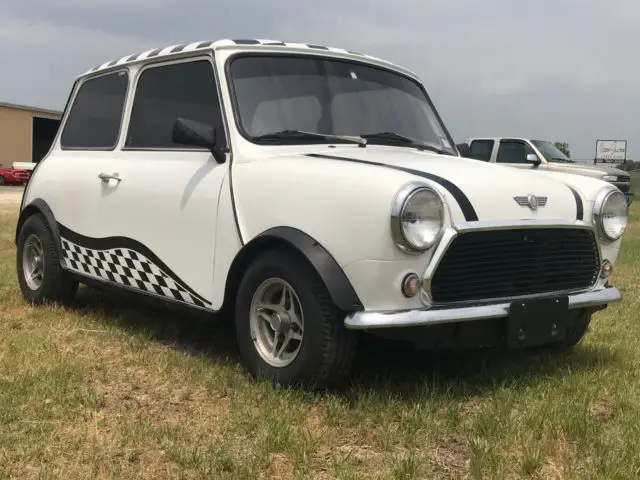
[[579, 206], [468, 211]]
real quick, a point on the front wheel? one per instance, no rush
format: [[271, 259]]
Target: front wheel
[[288, 330], [575, 333], [40, 275]]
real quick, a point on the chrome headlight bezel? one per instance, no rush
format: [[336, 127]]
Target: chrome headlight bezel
[[400, 202], [600, 203]]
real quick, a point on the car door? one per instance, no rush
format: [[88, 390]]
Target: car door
[[69, 180], [161, 210]]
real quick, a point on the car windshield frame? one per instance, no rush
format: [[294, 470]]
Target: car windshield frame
[[450, 151], [547, 152]]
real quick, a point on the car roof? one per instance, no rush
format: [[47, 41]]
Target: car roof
[[178, 50]]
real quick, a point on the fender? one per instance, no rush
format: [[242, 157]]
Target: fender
[[338, 285], [40, 206]]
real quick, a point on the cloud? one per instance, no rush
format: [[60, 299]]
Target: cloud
[[556, 68]]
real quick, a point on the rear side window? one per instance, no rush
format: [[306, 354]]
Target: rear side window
[[481, 149], [96, 114], [167, 92]]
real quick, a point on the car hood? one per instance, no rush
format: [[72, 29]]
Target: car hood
[[592, 168], [474, 190]]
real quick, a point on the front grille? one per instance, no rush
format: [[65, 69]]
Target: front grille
[[508, 263]]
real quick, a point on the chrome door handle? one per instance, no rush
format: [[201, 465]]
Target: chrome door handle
[[105, 177]]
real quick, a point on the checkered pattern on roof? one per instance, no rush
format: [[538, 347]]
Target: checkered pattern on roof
[[173, 50]]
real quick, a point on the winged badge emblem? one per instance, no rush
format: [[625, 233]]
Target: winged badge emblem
[[531, 201]]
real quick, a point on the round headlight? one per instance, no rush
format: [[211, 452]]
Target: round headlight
[[417, 218], [610, 212]]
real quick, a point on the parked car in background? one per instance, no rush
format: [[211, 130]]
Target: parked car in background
[[310, 195], [12, 176], [541, 154]]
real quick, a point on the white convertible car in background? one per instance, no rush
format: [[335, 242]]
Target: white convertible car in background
[[308, 194]]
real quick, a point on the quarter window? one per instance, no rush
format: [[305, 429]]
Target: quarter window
[[96, 114], [165, 93]]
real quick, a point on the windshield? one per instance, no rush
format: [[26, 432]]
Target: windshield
[[551, 152], [278, 94]]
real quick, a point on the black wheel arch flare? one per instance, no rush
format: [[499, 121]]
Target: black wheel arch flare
[[36, 206], [335, 280]]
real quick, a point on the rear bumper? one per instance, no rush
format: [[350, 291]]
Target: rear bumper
[[367, 320]]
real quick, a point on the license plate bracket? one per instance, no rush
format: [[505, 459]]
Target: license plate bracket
[[537, 321]]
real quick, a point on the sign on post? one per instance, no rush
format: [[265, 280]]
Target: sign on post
[[611, 150]]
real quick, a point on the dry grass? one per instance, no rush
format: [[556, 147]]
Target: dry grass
[[110, 389]]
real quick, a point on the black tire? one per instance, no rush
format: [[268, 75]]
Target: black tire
[[575, 333], [1, 180], [327, 348], [57, 285]]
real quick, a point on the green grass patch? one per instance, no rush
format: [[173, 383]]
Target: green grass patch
[[112, 389]]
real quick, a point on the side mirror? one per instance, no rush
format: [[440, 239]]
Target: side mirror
[[197, 134], [464, 150], [533, 158]]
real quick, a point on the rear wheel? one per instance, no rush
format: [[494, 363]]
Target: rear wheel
[[288, 330], [40, 274]]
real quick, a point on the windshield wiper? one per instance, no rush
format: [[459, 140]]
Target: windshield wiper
[[302, 135], [395, 138]]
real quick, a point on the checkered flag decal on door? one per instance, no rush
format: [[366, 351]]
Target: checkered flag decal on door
[[124, 266]]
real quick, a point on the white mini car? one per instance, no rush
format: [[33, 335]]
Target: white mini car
[[308, 194]]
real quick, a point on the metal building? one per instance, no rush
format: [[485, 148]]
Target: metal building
[[26, 133]]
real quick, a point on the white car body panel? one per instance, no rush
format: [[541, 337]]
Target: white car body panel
[[306, 177], [171, 205], [80, 172]]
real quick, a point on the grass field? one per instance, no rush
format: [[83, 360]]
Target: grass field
[[635, 182], [109, 389]]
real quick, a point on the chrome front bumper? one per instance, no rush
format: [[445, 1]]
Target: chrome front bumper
[[420, 317]]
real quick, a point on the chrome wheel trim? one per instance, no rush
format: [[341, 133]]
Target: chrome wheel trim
[[276, 322], [33, 262]]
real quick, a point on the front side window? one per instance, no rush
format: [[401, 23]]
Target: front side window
[[96, 113], [164, 94], [513, 151], [276, 93], [550, 152]]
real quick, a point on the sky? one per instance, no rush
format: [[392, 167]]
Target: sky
[[560, 70]]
